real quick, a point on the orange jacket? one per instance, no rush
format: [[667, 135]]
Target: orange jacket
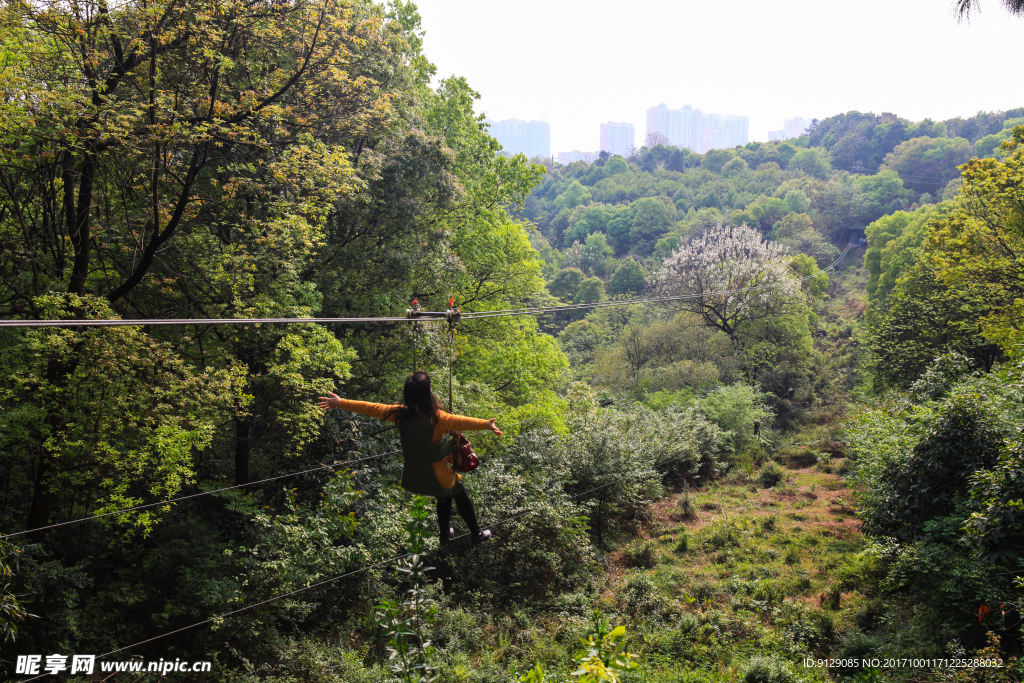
[[446, 422]]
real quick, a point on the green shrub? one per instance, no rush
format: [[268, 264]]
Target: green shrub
[[770, 475], [548, 550], [409, 625], [914, 462], [855, 644], [734, 408], [814, 628], [703, 590], [858, 573], [688, 623], [683, 544], [801, 583], [686, 507], [721, 536], [639, 594], [640, 554], [796, 457], [940, 376], [867, 616], [768, 592], [766, 670], [577, 603]]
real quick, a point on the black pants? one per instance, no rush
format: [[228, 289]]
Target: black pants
[[466, 511]]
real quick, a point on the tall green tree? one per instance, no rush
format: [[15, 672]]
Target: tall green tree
[[181, 160], [922, 319], [591, 291], [982, 241], [628, 278], [926, 164], [796, 231], [810, 161], [593, 218], [837, 206], [652, 218], [894, 244], [574, 195], [566, 283]]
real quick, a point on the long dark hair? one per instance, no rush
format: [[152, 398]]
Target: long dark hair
[[418, 399]]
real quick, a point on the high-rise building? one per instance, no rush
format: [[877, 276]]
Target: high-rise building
[[696, 131], [733, 130], [532, 138], [617, 138], [791, 128], [576, 155], [681, 127], [794, 128]]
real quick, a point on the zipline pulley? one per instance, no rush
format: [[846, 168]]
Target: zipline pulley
[[452, 315]]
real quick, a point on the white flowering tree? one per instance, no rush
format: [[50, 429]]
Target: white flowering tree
[[728, 277]]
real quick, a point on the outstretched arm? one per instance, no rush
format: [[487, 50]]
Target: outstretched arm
[[461, 423], [381, 411]]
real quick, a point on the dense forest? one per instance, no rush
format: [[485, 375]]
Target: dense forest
[[763, 406]]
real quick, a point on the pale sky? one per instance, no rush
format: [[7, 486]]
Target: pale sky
[[584, 63]]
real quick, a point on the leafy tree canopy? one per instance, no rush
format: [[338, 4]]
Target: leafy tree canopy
[[926, 164], [628, 278], [980, 243]]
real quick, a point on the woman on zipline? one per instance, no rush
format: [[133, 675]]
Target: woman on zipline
[[422, 428]]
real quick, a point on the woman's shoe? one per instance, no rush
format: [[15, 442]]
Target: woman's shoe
[[482, 536], [451, 535]]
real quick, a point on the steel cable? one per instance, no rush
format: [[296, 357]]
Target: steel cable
[[197, 495], [195, 321], [465, 316]]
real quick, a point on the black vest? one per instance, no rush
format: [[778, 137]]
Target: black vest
[[420, 455]]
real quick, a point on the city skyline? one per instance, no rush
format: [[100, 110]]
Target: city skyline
[[687, 127], [503, 56], [697, 130]]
